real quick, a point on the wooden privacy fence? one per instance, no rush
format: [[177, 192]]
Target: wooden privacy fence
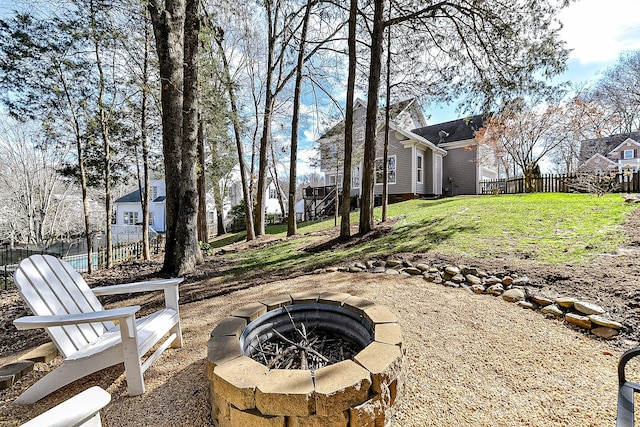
[[626, 182]]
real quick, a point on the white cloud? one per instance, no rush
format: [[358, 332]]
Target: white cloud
[[598, 31]]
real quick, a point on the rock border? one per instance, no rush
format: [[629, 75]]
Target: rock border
[[352, 393], [590, 317]]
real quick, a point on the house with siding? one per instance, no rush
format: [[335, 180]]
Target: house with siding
[[128, 208], [617, 153], [423, 161]]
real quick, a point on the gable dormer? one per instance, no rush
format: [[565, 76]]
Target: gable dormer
[[629, 149]]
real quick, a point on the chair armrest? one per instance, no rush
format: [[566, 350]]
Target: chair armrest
[[75, 411], [34, 322], [169, 286], [152, 285], [626, 357]]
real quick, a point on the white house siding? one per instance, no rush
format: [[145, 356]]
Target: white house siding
[[159, 217]]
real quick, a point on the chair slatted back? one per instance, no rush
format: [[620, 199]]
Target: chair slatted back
[[50, 286]]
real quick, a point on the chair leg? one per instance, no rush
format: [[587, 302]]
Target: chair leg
[[177, 329], [131, 356]]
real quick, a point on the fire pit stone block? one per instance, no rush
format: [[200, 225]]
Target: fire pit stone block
[[341, 419], [254, 418], [341, 385], [369, 413], [379, 314], [250, 312], [286, 392], [237, 381], [357, 304], [389, 333], [308, 297], [333, 298], [229, 326], [220, 350], [276, 302], [383, 361]]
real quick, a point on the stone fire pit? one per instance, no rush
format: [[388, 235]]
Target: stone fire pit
[[350, 393]]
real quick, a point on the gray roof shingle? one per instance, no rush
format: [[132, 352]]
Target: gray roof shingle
[[455, 130]]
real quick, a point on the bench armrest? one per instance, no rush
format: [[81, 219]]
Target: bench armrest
[[34, 322]]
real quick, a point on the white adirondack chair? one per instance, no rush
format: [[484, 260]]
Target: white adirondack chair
[[84, 331], [82, 410]]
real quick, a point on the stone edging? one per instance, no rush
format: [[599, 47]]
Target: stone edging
[[351, 393], [588, 316]]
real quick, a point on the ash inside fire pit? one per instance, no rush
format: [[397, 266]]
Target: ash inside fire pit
[[306, 336]]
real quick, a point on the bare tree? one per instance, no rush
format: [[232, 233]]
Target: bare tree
[[618, 91], [33, 190], [528, 133]]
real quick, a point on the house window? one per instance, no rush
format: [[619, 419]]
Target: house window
[[154, 193], [419, 168], [130, 218], [391, 170], [628, 154], [273, 193], [355, 179], [335, 179], [151, 219]]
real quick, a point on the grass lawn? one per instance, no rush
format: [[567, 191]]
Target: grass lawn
[[545, 227]]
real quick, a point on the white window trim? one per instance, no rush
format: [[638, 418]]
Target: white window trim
[[338, 179], [419, 168], [355, 175], [624, 154], [375, 173]]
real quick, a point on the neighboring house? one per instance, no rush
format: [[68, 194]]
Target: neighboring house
[[234, 194], [423, 161], [129, 207], [616, 153]]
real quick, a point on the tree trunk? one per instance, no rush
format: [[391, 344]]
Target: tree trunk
[[368, 178], [188, 253], [145, 196], [265, 139], [168, 25], [83, 175], [387, 116], [104, 132], [291, 220], [276, 182], [345, 224], [203, 232], [246, 194]]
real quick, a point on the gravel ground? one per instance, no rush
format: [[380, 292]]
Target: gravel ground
[[470, 359]]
